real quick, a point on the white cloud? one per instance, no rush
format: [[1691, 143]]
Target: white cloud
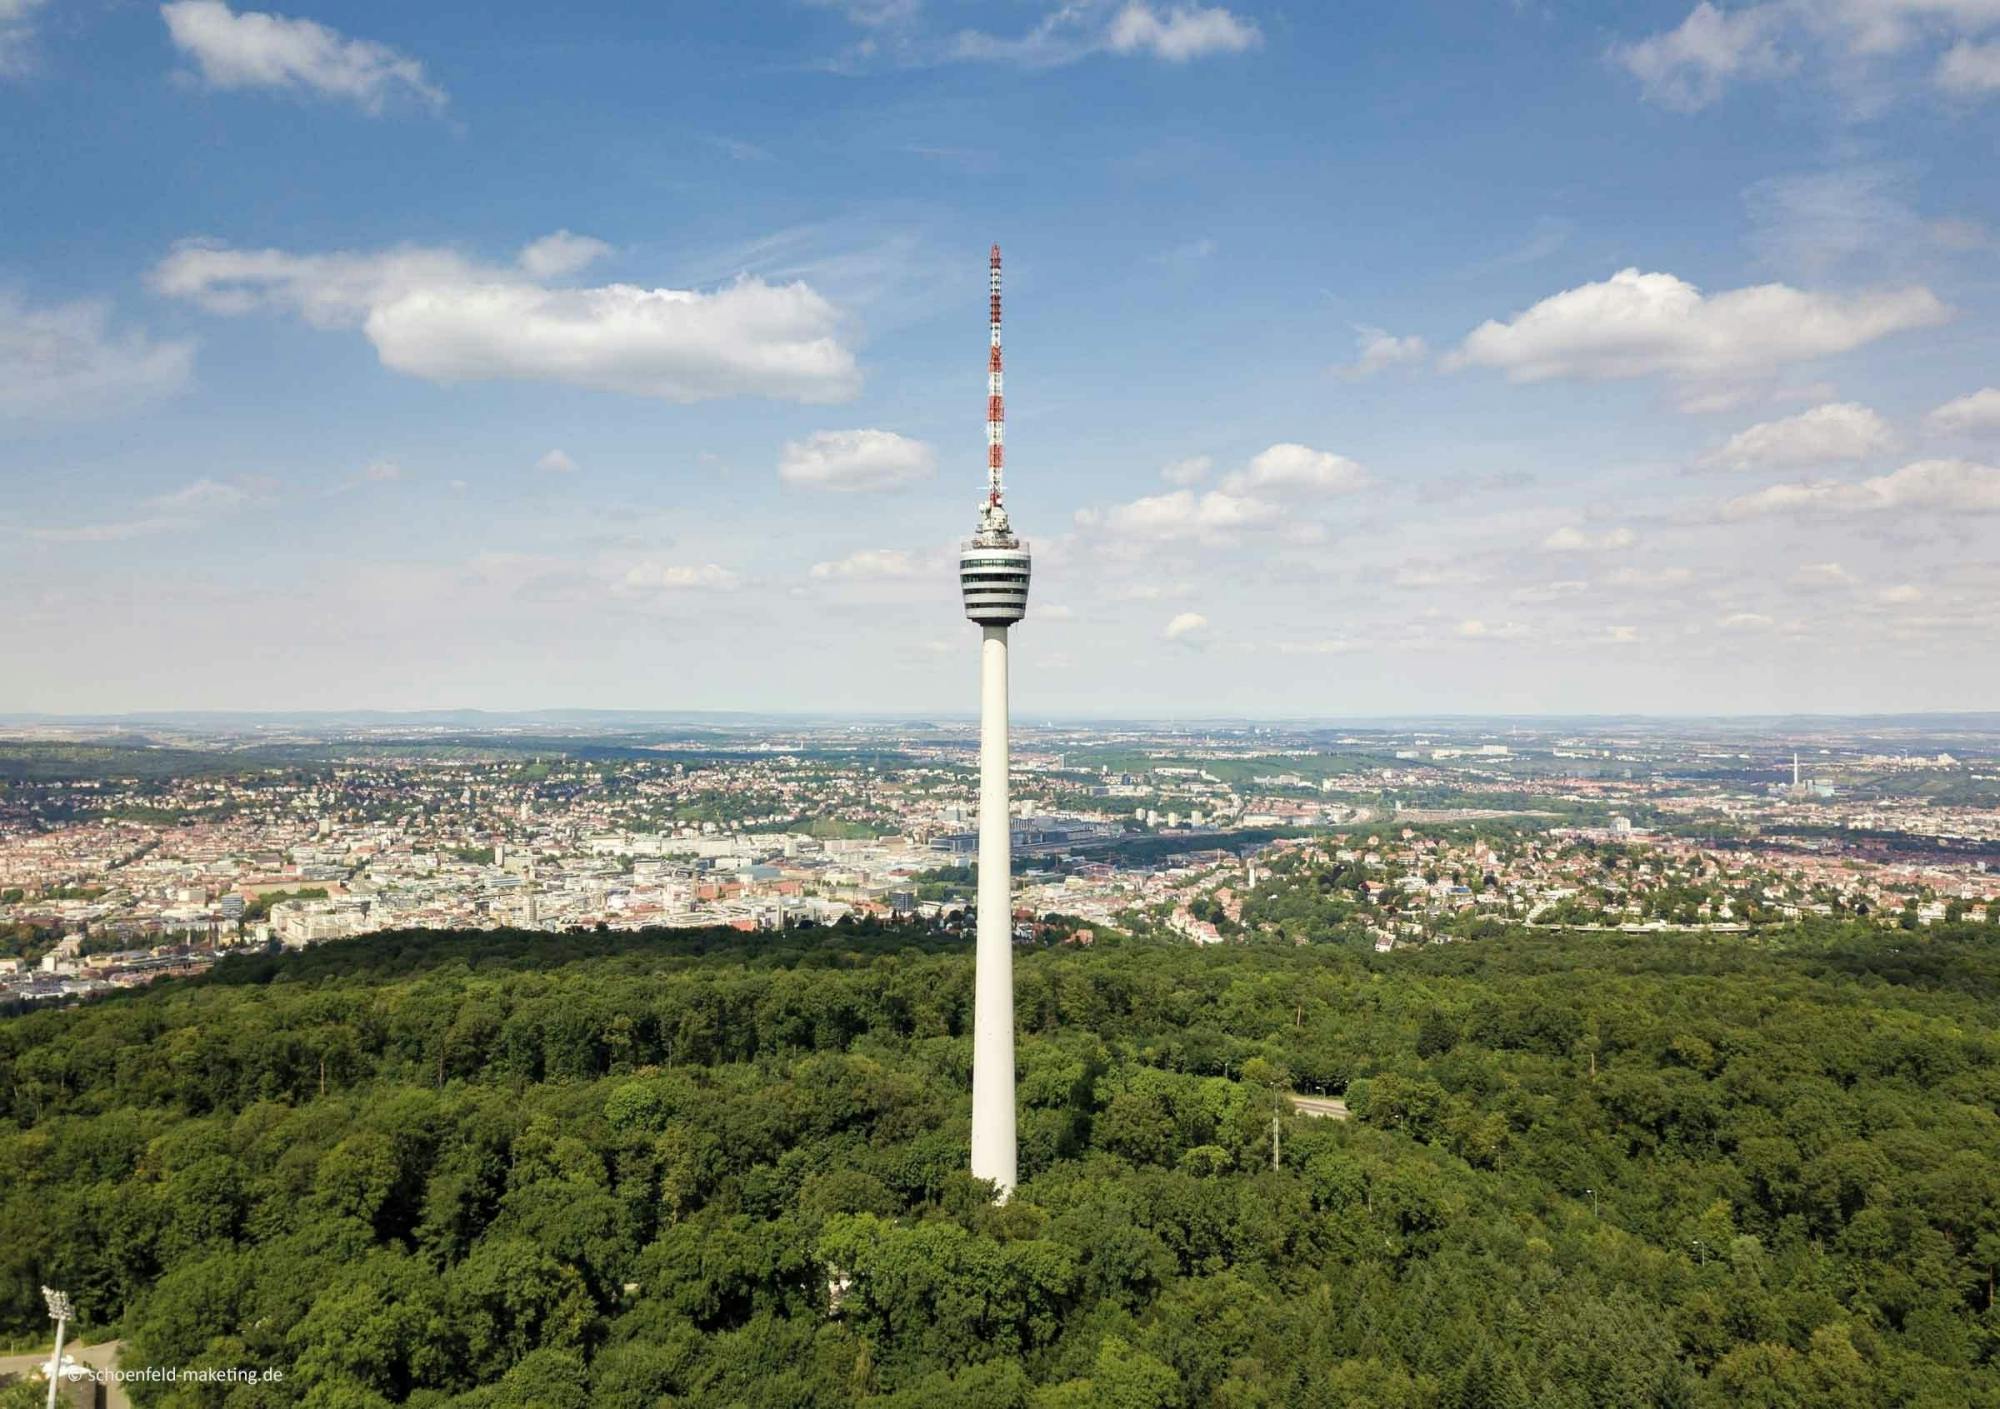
[[1822, 576], [1150, 592], [213, 495], [171, 512], [1287, 470], [1975, 414], [1473, 629], [856, 461], [1840, 430], [1186, 625], [1746, 621], [1192, 470], [1571, 539], [1969, 68], [255, 50], [652, 576], [557, 462], [873, 565], [1649, 578], [1900, 595], [1927, 486], [563, 253], [1181, 32], [1079, 28], [64, 361], [1685, 67], [375, 472], [1376, 350], [1214, 517], [1688, 66], [874, 13], [1621, 635], [1635, 324], [432, 313], [1549, 591], [1862, 215], [17, 35]]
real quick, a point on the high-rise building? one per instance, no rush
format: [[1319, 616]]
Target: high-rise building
[[993, 574]]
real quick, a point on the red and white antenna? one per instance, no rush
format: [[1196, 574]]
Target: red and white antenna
[[996, 402]]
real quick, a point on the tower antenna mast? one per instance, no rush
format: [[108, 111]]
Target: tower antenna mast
[[994, 517]]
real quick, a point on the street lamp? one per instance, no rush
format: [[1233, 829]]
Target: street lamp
[[1593, 1201], [60, 1312]]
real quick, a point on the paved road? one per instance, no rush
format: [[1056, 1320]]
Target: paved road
[[1329, 1107], [100, 1355]]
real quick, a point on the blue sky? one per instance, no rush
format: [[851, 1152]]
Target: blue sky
[[1361, 359]]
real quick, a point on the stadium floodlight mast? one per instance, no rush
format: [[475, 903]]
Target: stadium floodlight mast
[[993, 575], [60, 1312]]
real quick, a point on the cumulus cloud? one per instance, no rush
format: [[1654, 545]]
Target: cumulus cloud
[[64, 360], [1288, 470], [1901, 594], [1746, 621], [561, 254], [1376, 350], [557, 462], [1649, 578], [856, 461], [1192, 470], [1975, 414], [1840, 430], [1186, 626], [872, 565], [1686, 67], [1264, 497], [250, 49], [1970, 69], [1571, 539], [1180, 32], [433, 314], [1927, 486], [1636, 324], [1474, 629], [1175, 34], [652, 576], [1815, 577], [1183, 515]]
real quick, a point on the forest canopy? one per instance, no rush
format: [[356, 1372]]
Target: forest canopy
[[491, 1170]]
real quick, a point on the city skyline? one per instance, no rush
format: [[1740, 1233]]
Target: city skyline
[[365, 359]]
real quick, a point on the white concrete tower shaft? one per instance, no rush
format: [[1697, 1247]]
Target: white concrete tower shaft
[[993, 569], [993, 1141]]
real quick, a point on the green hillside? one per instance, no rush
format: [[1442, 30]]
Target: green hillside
[[616, 1170]]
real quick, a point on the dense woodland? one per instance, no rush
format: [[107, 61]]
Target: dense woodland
[[491, 1170]]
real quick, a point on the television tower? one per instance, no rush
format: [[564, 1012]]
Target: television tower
[[993, 574]]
